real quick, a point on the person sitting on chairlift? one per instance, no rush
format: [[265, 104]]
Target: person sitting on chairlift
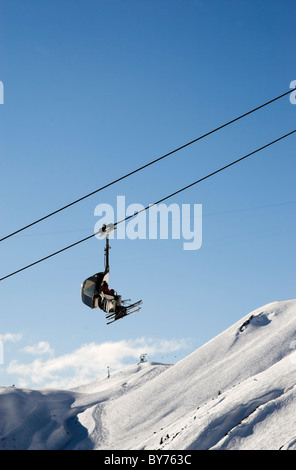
[[106, 289]]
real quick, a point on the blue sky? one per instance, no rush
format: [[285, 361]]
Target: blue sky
[[95, 89]]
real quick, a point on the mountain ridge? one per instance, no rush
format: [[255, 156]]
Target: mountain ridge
[[237, 391]]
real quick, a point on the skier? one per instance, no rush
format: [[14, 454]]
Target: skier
[[106, 289]]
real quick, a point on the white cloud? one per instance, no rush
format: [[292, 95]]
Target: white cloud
[[10, 337], [43, 347], [87, 362]]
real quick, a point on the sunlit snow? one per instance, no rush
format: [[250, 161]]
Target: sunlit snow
[[238, 391]]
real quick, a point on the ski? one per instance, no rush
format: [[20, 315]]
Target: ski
[[122, 315], [126, 309]]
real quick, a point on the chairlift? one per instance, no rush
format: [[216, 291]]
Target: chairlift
[[95, 292]]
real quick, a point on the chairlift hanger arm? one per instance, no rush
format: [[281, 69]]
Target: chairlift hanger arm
[[107, 248], [105, 231]]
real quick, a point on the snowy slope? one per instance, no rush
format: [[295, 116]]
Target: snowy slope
[[238, 391]]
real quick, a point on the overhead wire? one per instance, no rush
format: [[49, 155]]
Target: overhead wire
[[155, 203], [146, 165]]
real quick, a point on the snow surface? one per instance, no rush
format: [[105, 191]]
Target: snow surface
[[238, 391]]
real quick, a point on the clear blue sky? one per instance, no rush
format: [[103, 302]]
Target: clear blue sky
[[94, 89]]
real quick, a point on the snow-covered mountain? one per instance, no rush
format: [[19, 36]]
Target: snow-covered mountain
[[238, 391]]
